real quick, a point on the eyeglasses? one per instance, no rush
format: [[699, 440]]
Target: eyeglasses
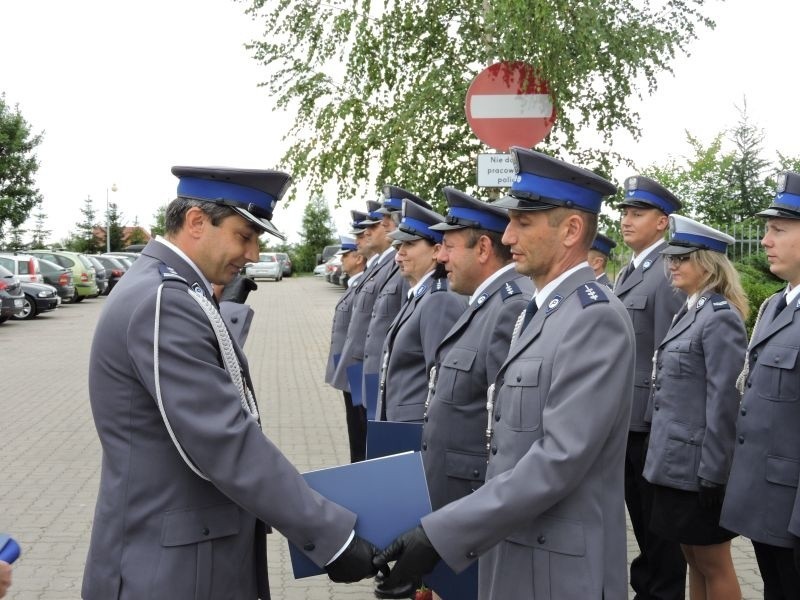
[[677, 260]]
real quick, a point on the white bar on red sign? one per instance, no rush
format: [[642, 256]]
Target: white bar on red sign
[[510, 106]]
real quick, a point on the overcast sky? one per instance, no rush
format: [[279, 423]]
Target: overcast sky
[[125, 90]]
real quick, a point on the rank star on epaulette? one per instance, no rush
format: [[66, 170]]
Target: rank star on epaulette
[[590, 292]]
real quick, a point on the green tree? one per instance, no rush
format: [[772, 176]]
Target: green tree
[[115, 227], [379, 88], [85, 240], [318, 231], [18, 166], [136, 235], [160, 217], [750, 187], [40, 234]]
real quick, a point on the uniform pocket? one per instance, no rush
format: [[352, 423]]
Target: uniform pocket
[[454, 370], [782, 479], [676, 358], [520, 396], [777, 379], [636, 306], [682, 451]]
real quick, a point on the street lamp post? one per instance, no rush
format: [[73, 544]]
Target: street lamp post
[[108, 219]]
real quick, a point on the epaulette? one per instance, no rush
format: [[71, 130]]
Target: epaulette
[[439, 285], [170, 274], [509, 289], [591, 292], [717, 301]]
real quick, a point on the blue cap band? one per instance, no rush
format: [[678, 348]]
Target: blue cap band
[[393, 203], [658, 201], [692, 239], [602, 246], [417, 227], [787, 200], [375, 215], [486, 220], [558, 190], [211, 190]]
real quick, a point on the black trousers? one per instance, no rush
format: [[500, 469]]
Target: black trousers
[[356, 417], [781, 580], [659, 572]]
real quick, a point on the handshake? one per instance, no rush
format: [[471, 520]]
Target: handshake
[[412, 553]]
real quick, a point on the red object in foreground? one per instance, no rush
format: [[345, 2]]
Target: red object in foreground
[[424, 594], [508, 105]]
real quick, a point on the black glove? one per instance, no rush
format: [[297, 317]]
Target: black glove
[[355, 563], [711, 494], [415, 556], [238, 289], [796, 552]]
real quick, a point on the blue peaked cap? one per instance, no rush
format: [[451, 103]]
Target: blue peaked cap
[[687, 235], [643, 192], [416, 224], [393, 197], [604, 244], [252, 193], [465, 211], [786, 203], [543, 182]]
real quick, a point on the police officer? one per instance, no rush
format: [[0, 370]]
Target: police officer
[[599, 254], [390, 297], [550, 520], [353, 265], [427, 315], [468, 358], [695, 404], [188, 480], [762, 502], [659, 571]]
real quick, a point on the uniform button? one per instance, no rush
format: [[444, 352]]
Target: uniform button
[[658, 386], [519, 378], [424, 446], [425, 419], [455, 362], [655, 407], [754, 356], [776, 360], [744, 411], [471, 554], [475, 472], [206, 531], [497, 418], [309, 547], [541, 539], [494, 449], [749, 383], [741, 439], [234, 319]]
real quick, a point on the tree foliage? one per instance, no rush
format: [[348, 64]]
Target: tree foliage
[[39, 234], [318, 231], [85, 240], [160, 218], [379, 88], [18, 166], [115, 228]]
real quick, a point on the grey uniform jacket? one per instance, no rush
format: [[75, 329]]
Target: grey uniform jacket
[[651, 302], [549, 523], [605, 281], [410, 349], [761, 501], [467, 361], [366, 291], [341, 321], [160, 530], [695, 400], [387, 305]]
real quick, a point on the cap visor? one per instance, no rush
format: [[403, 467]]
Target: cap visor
[[447, 227], [386, 211], [514, 203], [402, 236], [263, 224], [674, 250], [355, 232], [778, 213], [371, 222], [343, 251], [638, 203]]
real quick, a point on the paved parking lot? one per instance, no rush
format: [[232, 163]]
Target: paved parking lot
[[51, 456]]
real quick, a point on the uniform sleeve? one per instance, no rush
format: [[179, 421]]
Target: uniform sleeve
[[205, 413], [724, 345]]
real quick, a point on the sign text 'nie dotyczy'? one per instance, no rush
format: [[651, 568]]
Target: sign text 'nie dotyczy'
[[495, 170]]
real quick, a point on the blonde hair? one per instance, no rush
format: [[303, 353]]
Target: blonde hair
[[722, 278]]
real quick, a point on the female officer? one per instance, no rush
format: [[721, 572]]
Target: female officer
[[694, 403], [424, 319]]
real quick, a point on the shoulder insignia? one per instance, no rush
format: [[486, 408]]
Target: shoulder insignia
[[553, 304], [701, 302], [481, 299], [510, 288], [591, 292], [168, 272], [647, 264], [197, 289], [421, 290], [719, 302], [440, 285]]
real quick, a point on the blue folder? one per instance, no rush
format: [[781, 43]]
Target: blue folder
[[389, 495], [449, 586], [371, 383], [354, 373], [9, 549], [385, 438]]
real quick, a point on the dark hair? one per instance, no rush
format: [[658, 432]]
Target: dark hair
[[177, 209], [502, 251]]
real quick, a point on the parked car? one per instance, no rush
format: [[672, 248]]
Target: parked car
[[39, 298], [83, 273], [286, 263], [267, 267], [101, 274], [59, 277], [24, 266], [319, 270], [132, 256], [115, 269], [327, 252], [11, 296], [333, 270]]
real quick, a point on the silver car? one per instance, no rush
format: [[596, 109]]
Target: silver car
[[267, 267]]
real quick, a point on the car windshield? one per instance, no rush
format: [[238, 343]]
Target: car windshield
[[266, 258]]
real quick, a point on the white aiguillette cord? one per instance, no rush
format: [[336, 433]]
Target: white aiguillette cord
[[229, 359]]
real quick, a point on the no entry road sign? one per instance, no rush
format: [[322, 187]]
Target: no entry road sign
[[507, 105]]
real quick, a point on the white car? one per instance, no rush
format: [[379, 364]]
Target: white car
[[319, 270], [267, 267]]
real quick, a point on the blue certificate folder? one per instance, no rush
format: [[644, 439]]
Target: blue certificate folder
[[354, 374], [392, 437], [389, 495]]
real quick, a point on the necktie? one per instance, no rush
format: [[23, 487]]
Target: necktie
[[684, 309], [530, 310], [626, 272], [779, 306]]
